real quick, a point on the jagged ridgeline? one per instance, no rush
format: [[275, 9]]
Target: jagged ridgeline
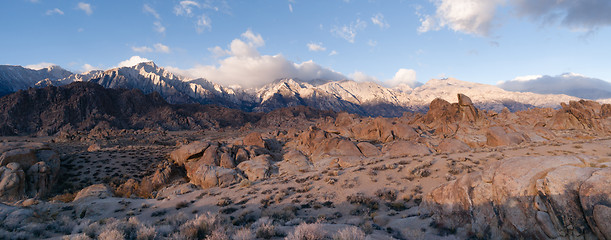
[[363, 98]]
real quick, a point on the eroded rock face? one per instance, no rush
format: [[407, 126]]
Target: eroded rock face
[[12, 182], [583, 114], [497, 136], [294, 163], [193, 150], [207, 176], [527, 197], [96, 191], [254, 139], [27, 170], [257, 168]]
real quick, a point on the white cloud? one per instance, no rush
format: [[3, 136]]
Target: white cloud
[[162, 48], [362, 77], [203, 23], [246, 67], [478, 17], [332, 53], [291, 8], [54, 11], [134, 60], [254, 39], [185, 8], [86, 7], [403, 77], [468, 16], [527, 78], [148, 9], [159, 27], [88, 67], [378, 19], [39, 66], [143, 49], [349, 32], [158, 47], [316, 47]]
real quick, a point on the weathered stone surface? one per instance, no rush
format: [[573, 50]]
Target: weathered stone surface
[[404, 148], [12, 182], [190, 151], [96, 191], [451, 145], [36, 162], [207, 176], [256, 168], [595, 191], [254, 139], [582, 114], [210, 156], [94, 147], [226, 160], [241, 155], [293, 163], [368, 149], [526, 197], [497, 136]]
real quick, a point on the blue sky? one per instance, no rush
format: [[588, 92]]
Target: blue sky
[[252, 42]]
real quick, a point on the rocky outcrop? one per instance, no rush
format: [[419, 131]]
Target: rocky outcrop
[[583, 114], [451, 145], [96, 191], [254, 139], [497, 136], [257, 168], [27, 170], [294, 163], [209, 164], [12, 182], [207, 176], [445, 118], [527, 197]]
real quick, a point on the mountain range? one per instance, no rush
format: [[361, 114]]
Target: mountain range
[[364, 98]]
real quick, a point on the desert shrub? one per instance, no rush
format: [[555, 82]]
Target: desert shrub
[[243, 234], [81, 236], [218, 234], [182, 204], [307, 231], [363, 200], [349, 233], [387, 194], [264, 228], [198, 228], [111, 234]]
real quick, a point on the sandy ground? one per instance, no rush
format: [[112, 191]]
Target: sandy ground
[[381, 196]]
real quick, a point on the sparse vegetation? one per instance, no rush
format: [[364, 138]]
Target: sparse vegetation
[[307, 231]]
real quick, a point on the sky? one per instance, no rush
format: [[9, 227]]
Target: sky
[[254, 42]]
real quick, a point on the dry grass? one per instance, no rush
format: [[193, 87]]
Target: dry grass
[[307, 231]]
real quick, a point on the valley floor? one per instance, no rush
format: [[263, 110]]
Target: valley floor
[[380, 196]]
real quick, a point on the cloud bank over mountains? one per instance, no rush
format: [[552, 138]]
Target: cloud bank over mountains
[[479, 17], [242, 64], [568, 83]]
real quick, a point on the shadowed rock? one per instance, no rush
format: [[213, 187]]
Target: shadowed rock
[[527, 197]]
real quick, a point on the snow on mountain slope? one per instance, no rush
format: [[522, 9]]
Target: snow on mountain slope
[[484, 96], [14, 78], [366, 98]]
